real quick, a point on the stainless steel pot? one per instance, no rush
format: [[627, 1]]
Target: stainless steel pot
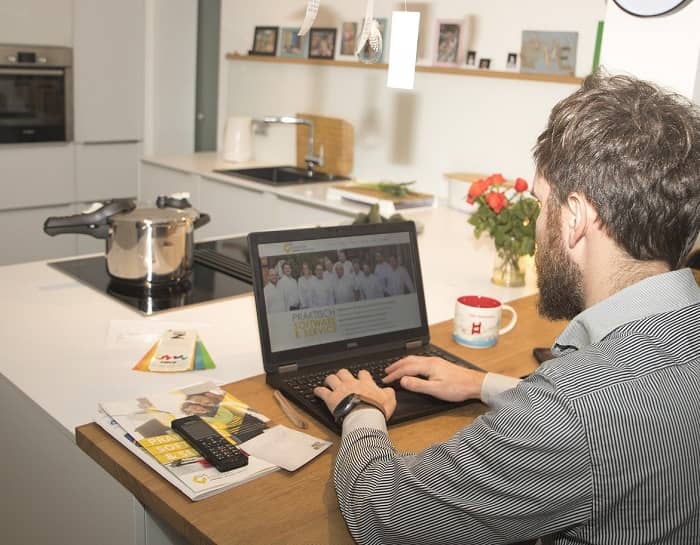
[[144, 245]]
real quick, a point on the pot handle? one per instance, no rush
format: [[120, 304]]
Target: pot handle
[[202, 220], [93, 222]]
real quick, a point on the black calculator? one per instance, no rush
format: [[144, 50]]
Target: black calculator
[[209, 443]]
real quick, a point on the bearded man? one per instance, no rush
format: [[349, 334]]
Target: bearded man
[[600, 445]]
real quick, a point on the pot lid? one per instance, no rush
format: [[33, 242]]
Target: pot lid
[[156, 216]]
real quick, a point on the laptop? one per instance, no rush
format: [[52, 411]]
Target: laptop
[[349, 296]]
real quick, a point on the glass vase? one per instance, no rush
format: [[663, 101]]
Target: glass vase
[[508, 269]]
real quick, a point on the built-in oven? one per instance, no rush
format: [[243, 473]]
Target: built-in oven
[[36, 98]]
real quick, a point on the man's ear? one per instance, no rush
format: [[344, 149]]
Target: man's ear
[[578, 218]]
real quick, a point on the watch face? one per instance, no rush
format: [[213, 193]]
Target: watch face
[[651, 8]]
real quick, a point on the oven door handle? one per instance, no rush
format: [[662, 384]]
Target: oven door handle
[[30, 72]]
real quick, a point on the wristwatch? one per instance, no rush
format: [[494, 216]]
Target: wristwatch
[[349, 402]]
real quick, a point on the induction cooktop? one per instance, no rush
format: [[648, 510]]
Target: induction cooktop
[[221, 269]]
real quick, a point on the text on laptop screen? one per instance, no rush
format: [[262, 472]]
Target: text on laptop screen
[[338, 289]]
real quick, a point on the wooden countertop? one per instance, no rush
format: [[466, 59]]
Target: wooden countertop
[[301, 507]]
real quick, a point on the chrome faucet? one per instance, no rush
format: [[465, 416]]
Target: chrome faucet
[[311, 159]]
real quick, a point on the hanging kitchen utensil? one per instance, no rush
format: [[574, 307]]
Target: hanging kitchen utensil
[[144, 245], [366, 26], [310, 17]]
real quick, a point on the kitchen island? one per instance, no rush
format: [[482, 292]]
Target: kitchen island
[[61, 359]]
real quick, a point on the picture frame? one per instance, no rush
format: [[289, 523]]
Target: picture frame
[[348, 38], [547, 52], [484, 64], [322, 43], [448, 42], [265, 41], [512, 61], [291, 44], [471, 58]]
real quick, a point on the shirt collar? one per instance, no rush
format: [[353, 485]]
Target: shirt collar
[[659, 293]]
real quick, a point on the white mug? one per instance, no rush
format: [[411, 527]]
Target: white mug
[[477, 322], [238, 137]]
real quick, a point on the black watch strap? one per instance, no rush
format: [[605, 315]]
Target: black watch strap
[[349, 402]]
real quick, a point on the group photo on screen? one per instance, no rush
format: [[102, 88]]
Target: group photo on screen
[[320, 279]]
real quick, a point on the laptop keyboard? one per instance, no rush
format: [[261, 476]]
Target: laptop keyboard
[[304, 384]]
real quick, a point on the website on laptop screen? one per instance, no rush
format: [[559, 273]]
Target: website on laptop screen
[[337, 289]]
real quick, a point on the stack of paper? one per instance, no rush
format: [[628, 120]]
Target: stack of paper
[[142, 425]]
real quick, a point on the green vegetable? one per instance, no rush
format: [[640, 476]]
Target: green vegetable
[[391, 188], [374, 217]]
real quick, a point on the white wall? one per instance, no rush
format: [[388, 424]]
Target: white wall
[[36, 22], [665, 49], [449, 123]]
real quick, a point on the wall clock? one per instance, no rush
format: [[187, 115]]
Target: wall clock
[[651, 8]]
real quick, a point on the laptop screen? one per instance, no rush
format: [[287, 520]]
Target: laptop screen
[[328, 289]]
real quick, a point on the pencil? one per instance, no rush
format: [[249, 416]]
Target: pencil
[[288, 410]]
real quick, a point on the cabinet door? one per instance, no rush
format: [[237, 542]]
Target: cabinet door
[[22, 237], [293, 213], [108, 69], [234, 210], [36, 175], [107, 170], [156, 180]]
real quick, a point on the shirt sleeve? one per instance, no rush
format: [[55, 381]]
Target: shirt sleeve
[[519, 472], [494, 385]]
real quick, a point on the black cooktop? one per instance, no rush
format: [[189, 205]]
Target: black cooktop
[[221, 269]]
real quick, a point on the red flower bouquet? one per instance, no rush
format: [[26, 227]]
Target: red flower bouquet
[[507, 212]]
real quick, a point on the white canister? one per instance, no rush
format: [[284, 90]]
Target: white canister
[[238, 139]]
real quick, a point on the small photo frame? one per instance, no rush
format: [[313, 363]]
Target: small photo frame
[[448, 44], [265, 40], [484, 64], [471, 58], [512, 61], [322, 43], [348, 38], [291, 44]]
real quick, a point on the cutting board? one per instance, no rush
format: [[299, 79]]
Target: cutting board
[[388, 204], [337, 138]]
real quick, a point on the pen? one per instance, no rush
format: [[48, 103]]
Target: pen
[[288, 410]]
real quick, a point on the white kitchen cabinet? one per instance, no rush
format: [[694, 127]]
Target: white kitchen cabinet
[[236, 209], [106, 170], [36, 175], [233, 209], [22, 237], [156, 181], [293, 213], [108, 56]]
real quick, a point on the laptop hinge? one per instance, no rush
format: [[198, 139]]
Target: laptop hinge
[[289, 368], [414, 344]]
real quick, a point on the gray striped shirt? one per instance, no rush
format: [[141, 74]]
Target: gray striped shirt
[[599, 446]]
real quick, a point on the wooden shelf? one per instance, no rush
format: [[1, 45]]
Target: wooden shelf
[[572, 80]]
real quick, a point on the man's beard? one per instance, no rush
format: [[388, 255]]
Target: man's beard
[[559, 279]]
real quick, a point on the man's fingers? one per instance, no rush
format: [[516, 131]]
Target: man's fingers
[[332, 381], [419, 385], [344, 374], [322, 392], [403, 361], [408, 366], [365, 376]]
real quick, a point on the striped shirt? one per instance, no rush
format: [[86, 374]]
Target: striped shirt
[[600, 446]]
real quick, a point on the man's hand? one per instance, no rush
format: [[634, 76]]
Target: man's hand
[[436, 377], [342, 383]]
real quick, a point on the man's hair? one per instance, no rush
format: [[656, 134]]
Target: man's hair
[[633, 150]]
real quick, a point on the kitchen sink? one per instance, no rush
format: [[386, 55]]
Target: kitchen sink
[[281, 175]]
